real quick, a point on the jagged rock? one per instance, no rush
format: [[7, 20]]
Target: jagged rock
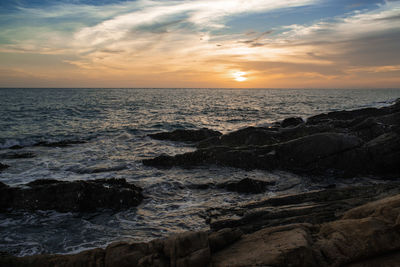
[[368, 233], [364, 235], [307, 154], [3, 166], [344, 143], [310, 207], [260, 136], [364, 232], [291, 122], [80, 196], [186, 135]]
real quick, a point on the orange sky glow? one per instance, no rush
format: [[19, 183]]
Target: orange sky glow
[[222, 43]]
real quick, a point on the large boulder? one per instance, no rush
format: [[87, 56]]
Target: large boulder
[[79, 196], [291, 122], [310, 153]]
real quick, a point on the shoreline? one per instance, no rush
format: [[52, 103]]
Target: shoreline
[[307, 239]]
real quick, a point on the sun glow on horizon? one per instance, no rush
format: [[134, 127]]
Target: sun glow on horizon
[[238, 75]]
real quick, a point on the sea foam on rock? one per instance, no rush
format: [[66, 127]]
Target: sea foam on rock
[[74, 196]]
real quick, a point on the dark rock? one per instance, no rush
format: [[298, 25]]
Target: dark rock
[[260, 136], [301, 155], [75, 196], [291, 122], [343, 143], [99, 169], [16, 147], [186, 135], [93, 258], [3, 166], [312, 207], [223, 238], [310, 153], [364, 236], [346, 115], [21, 155], [186, 249], [63, 143], [246, 185]]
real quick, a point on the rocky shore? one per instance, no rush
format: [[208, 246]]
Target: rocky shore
[[350, 226], [75, 196], [323, 228], [341, 143]]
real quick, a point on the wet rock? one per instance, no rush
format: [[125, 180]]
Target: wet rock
[[18, 155], [3, 166], [359, 237], [248, 136], [186, 135], [246, 185], [307, 154], [75, 196], [63, 143], [312, 207], [342, 143], [291, 122], [99, 169]]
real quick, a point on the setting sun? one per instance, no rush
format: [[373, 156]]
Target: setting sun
[[238, 75]]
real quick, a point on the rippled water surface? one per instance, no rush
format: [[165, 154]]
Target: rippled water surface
[[114, 124]]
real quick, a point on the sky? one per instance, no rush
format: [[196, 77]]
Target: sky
[[193, 43]]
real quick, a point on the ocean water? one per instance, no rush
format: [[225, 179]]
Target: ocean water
[[114, 124]]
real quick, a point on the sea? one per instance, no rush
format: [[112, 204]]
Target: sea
[[108, 131]]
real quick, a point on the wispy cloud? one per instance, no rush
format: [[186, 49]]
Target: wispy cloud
[[193, 40]]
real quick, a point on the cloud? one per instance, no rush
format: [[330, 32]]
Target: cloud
[[200, 14], [187, 40]]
